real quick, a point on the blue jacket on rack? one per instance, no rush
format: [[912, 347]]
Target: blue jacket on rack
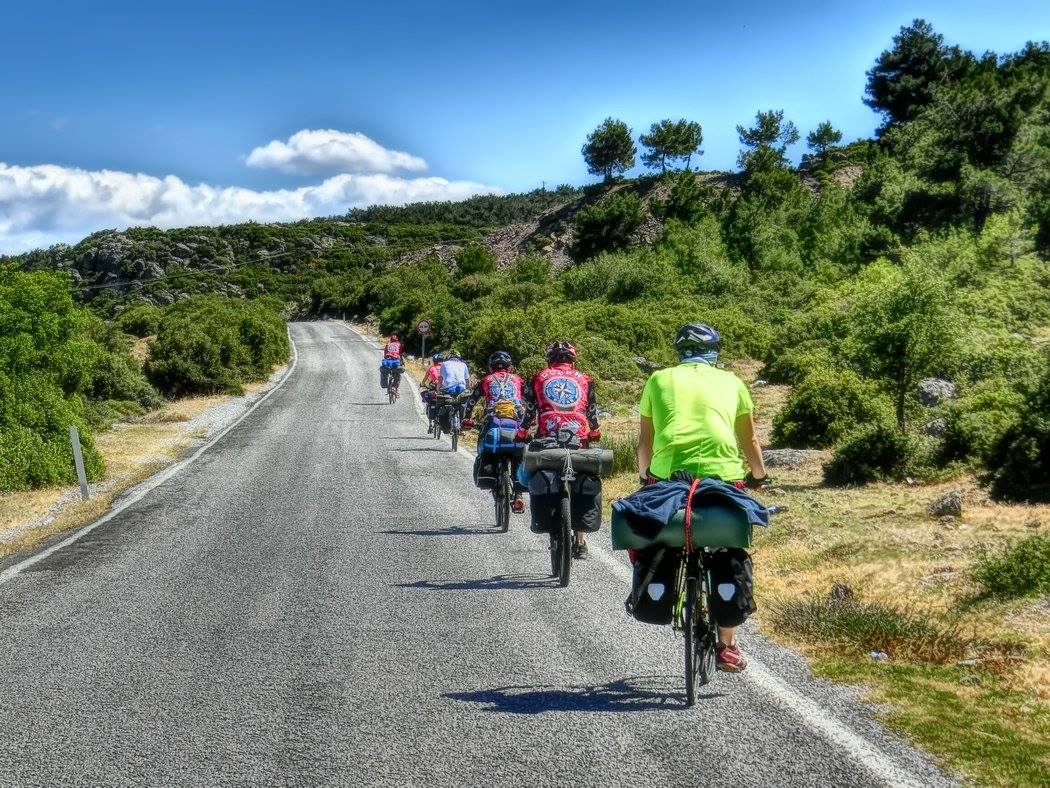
[[659, 502]]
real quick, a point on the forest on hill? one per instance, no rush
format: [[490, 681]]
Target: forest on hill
[[919, 254]]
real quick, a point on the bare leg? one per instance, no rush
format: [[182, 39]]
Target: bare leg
[[727, 635]]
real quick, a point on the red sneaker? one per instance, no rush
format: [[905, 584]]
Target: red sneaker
[[729, 659], [517, 505]]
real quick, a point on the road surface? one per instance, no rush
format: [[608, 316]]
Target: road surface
[[320, 597]]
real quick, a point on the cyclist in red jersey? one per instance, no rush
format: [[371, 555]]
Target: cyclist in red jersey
[[561, 397]]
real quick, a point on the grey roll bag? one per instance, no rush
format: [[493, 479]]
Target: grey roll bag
[[597, 462]]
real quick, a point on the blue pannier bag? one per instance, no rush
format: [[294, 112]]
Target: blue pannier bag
[[499, 437]]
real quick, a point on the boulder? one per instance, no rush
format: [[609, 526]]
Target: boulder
[[935, 428], [646, 366], [948, 505], [935, 391], [788, 458]]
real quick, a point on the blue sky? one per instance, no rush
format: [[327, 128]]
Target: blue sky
[[492, 94]]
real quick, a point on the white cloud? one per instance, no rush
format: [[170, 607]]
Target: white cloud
[[47, 203], [327, 152]]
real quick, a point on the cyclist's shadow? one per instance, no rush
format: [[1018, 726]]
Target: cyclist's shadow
[[636, 693], [498, 583]]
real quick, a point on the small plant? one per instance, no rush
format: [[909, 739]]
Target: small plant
[[625, 452], [860, 627], [1022, 569]]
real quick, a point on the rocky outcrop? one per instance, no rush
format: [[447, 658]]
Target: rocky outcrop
[[935, 391]]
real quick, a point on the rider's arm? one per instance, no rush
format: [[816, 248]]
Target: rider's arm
[[472, 400], [592, 406], [645, 446], [749, 445], [529, 395]]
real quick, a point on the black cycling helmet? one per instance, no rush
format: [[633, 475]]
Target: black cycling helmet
[[695, 338], [561, 351], [500, 360]]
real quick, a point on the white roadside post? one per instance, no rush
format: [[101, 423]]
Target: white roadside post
[[78, 460]]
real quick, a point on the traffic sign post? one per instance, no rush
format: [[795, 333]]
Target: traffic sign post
[[423, 327]]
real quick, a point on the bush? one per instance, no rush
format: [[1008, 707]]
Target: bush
[[625, 452], [140, 320], [1023, 569], [795, 365], [976, 423], [877, 452], [48, 366], [1020, 461], [825, 406], [607, 225], [475, 259], [211, 345]]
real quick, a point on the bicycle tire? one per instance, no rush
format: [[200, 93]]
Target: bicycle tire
[[455, 438], [503, 499], [565, 538], [689, 614], [707, 639]]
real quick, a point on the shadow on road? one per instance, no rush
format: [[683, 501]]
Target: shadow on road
[[637, 693], [498, 583], [451, 530], [440, 447]]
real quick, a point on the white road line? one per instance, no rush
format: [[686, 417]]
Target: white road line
[[143, 489], [874, 761]]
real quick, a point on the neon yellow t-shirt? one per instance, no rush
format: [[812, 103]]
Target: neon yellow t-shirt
[[694, 408]]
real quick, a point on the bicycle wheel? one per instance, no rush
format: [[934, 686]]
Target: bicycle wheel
[[565, 538], [455, 436], [689, 614], [391, 394], [706, 636], [503, 495]]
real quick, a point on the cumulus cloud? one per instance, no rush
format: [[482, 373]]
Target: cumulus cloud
[[45, 204], [327, 152]]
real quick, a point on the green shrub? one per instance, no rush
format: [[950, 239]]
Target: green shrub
[[210, 345], [795, 365], [1020, 461], [140, 320], [975, 423], [475, 259], [48, 367], [625, 452], [876, 452], [1022, 569], [825, 406], [607, 225]]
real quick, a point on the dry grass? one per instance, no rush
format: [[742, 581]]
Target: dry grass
[[133, 452]]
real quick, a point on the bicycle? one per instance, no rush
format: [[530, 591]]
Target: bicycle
[[393, 387], [563, 454], [692, 614], [448, 413]]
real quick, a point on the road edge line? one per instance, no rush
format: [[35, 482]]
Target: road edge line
[[144, 488]]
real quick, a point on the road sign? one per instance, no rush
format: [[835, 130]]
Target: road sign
[[423, 327]]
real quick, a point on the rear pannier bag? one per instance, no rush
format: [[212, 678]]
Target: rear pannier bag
[[654, 585], [485, 468], [732, 587], [545, 502]]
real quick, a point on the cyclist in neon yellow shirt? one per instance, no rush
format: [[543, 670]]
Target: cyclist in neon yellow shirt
[[696, 417]]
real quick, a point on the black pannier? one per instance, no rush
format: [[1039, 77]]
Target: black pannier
[[485, 470], [654, 585], [545, 502]]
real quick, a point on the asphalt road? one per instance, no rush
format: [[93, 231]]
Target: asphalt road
[[320, 597]]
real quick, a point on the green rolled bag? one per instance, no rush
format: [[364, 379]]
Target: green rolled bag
[[596, 462], [714, 526]]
